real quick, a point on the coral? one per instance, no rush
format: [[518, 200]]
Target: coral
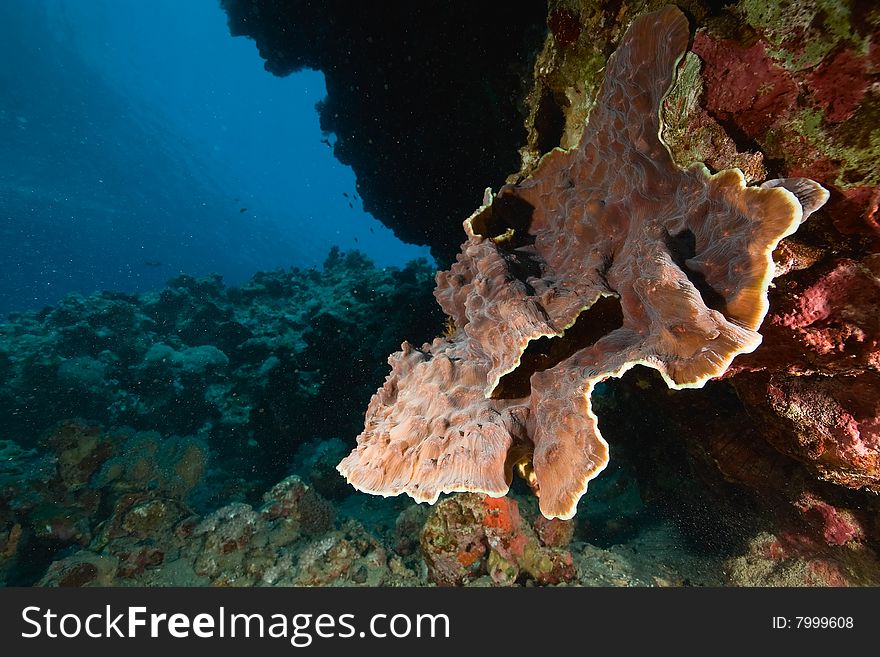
[[470, 535], [113, 492], [832, 425], [238, 367], [453, 540], [82, 569], [225, 386], [607, 256]]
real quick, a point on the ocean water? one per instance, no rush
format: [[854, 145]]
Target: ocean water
[[130, 157], [195, 311], [140, 144]]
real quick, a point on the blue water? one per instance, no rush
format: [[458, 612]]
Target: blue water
[[138, 140]]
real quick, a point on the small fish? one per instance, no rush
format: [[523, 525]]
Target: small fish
[[350, 205], [371, 229], [242, 210], [325, 141], [355, 240], [152, 263], [345, 195]]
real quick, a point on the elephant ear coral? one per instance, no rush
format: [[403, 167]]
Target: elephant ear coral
[[607, 256]]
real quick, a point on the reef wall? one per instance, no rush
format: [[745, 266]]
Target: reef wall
[[777, 89]]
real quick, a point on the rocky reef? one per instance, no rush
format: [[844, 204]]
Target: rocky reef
[[199, 394], [206, 451], [251, 370]]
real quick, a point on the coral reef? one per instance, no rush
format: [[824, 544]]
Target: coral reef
[[767, 476], [135, 535], [242, 368], [86, 486], [98, 508], [607, 256], [187, 381], [290, 540], [471, 535], [775, 89]]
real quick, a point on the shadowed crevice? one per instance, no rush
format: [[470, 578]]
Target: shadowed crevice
[[591, 325], [507, 212], [682, 247], [549, 122]]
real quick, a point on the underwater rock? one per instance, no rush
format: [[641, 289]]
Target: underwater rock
[[9, 539], [824, 326], [229, 533], [298, 506], [554, 532], [79, 450], [94, 489], [469, 535], [81, 569], [773, 560], [291, 539], [831, 424], [744, 86], [347, 556]]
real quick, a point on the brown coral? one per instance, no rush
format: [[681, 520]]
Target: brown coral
[[607, 256]]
